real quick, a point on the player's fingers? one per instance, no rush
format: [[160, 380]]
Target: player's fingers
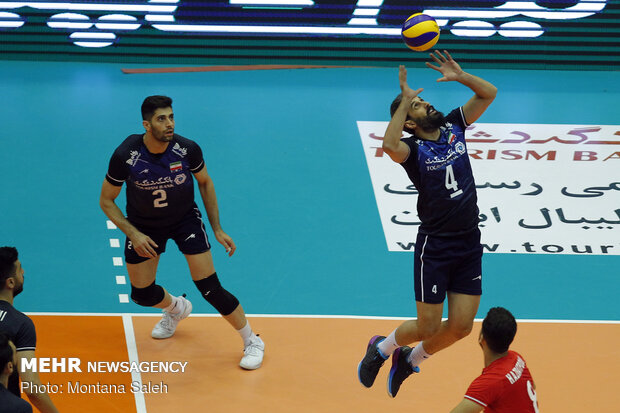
[[436, 58], [433, 67], [143, 253], [151, 242], [150, 252], [448, 55], [443, 59]]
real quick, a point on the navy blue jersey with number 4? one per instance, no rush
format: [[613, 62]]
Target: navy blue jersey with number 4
[[441, 172], [160, 187]]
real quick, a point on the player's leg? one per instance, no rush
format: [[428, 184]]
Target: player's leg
[[227, 305], [380, 348], [426, 326], [465, 288], [462, 309], [145, 292], [432, 268], [430, 275]]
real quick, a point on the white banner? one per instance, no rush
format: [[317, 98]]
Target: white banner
[[545, 189]]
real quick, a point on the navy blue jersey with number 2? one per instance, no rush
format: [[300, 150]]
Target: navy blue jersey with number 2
[[160, 187], [442, 175]]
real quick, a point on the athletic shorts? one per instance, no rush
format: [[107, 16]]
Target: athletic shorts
[[189, 235], [443, 264]]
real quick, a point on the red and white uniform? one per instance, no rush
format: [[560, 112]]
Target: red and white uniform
[[505, 386]]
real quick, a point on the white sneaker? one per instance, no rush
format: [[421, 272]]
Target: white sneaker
[[168, 323], [253, 354]]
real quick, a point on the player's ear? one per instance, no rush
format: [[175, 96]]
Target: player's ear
[[147, 125], [410, 124], [9, 368]]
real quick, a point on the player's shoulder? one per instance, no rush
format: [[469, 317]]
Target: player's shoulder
[[411, 141], [457, 117], [132, 142], [16, 315], [183, 141], [186, 147]]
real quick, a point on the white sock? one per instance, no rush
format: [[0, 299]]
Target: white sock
[[174, 307], [388, 345], [417, 355], [246, 334]]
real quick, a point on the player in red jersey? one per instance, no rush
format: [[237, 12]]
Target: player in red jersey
[[505, 385]]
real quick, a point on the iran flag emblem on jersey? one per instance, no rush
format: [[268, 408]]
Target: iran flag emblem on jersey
[[176, 166], [451, 138]]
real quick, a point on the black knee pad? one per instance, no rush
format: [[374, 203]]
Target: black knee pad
[[148, 296], [212, 291]]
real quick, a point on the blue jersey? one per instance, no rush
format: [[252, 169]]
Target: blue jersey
[[160, 187], [442, 175]]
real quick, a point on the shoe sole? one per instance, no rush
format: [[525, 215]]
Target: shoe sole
[[395, 358], [359, 366], [250, 368]]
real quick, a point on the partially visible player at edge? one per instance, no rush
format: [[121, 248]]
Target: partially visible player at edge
[[505, 385], [22, 333], [448, 254], [158, 167]]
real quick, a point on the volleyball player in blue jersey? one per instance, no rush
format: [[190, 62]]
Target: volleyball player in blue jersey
[[448, 254], [159, 168]]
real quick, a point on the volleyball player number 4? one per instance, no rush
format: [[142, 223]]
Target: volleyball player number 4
[[451, 183]]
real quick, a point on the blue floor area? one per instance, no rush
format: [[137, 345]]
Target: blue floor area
[[293, 186]]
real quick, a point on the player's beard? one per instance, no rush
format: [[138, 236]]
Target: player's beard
[[162, 137], [18, 290], [432, 122]]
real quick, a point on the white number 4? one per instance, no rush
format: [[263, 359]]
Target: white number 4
[[451, 184], [159, 202]]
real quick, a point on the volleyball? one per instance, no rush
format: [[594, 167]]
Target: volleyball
[[420, 32]]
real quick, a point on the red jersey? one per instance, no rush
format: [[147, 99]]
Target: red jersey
[[505, 386]]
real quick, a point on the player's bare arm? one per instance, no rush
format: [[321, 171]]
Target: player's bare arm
[[392, 144], [141, 243], [207, 192], [484, 91], [467, 406], [31, 380]]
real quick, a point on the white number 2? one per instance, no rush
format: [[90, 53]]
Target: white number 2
[[451, 184], [159, 202], [532, 393]]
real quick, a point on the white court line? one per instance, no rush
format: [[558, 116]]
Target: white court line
[[132, 350], [348, 317]]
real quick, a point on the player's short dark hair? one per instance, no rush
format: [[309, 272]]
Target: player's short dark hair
[[498, 329], [6, 351], [395, 104], [152, 103], [8, 258]]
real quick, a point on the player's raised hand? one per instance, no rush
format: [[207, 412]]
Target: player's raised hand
[[404, 87], [226, 241], [447, 66], [143, 245]]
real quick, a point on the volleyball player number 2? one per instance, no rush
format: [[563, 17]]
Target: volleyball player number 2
[[451, 183], [160, 201]]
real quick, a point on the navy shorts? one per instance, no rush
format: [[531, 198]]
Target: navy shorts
[[444, 264], [189, 235]]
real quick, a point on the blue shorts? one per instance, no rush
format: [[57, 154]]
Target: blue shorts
[[189, 235], [443, 264]]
